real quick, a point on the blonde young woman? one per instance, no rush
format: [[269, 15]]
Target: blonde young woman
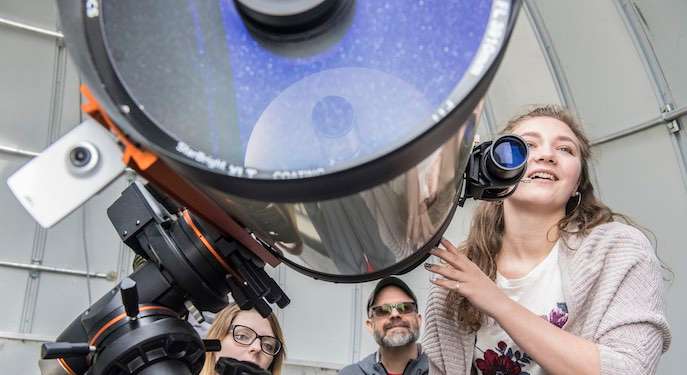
[[547, 282], [246, 336]]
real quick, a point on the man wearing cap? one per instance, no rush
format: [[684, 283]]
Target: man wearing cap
[[394, 322]]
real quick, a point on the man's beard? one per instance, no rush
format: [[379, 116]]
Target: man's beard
[[396, 339]]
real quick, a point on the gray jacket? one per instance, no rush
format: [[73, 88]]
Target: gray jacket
[[370, 365]]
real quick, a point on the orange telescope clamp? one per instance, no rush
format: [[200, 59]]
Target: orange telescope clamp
[[156, 171]]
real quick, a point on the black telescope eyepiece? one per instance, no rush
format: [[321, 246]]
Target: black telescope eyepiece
[[494, 168], [506, 157]]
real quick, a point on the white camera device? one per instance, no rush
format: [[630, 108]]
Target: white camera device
[[67, 173]]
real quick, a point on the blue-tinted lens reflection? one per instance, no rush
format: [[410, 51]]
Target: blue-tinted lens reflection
[[510, 153]]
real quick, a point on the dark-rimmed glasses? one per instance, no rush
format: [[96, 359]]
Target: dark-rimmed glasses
[[246, 336], [387, 308]]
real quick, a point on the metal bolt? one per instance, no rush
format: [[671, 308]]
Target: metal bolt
[[668, 107], [125, 233], [138, 222], [125, 108], [92, 8], [673, 126]]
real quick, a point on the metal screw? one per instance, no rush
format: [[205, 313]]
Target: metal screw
[[92, 8], [673, 126], [138, 222], [125, 108], [668, 107], [125, 233]]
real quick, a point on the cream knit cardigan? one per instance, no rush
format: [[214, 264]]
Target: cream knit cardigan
[[613, 286]]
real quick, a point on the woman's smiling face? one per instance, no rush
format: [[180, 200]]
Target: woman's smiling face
[[553, 167]]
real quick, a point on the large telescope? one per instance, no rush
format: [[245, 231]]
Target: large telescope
[[335, 136]]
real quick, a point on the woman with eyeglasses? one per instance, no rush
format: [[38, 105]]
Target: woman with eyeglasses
[[246, 336]]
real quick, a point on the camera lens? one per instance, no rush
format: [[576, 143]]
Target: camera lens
[[508, 157], [80, 156]]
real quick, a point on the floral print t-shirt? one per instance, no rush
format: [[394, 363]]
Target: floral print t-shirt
[[540, 291]]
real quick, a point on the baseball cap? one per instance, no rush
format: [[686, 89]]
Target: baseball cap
[[387, 281]]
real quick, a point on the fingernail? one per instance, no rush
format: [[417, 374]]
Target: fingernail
[[428, 266]]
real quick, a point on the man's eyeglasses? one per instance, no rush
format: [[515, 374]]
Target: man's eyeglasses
[[387, 308], [246, 336]]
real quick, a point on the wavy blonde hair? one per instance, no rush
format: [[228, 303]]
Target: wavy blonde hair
[[220, 329], [486, 231]]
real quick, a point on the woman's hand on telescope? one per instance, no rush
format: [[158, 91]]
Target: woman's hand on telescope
[[460, 274]]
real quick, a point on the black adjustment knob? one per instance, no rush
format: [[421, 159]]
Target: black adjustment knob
[[129, 297], [283, 300], [212, 345], [53, 350]]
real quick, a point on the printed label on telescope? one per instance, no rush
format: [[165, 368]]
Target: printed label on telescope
[[203, 158], [443, 110], [235, 170], [493, 38], [240, 171], [251, 172], [301, 173]]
